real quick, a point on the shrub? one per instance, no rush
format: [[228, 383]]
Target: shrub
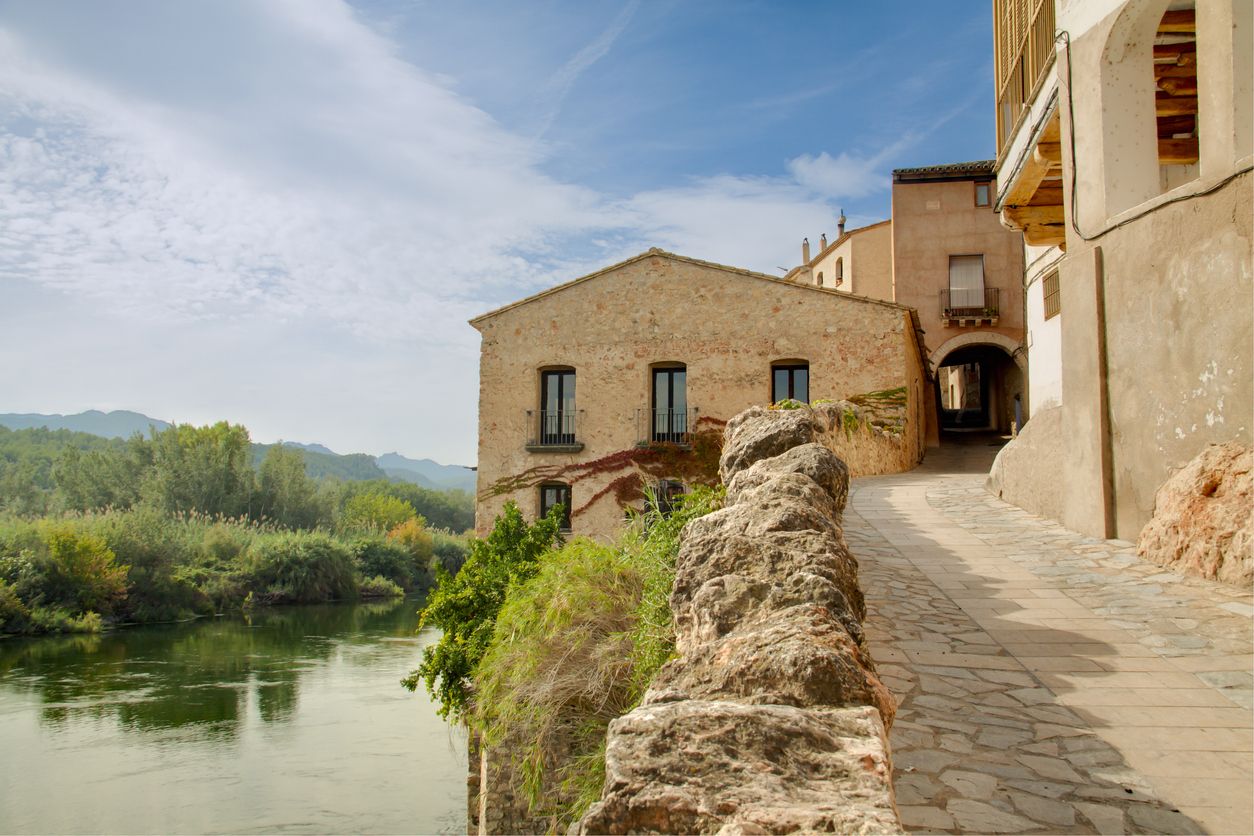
[[576, 646], [57, 620], [154, 545], [376, 512], [382, 556], [300, 568], [14, 615], [379, 587], [78, 571], [465, 605], [450, 550]]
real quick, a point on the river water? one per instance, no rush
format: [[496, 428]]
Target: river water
[[291, 720]]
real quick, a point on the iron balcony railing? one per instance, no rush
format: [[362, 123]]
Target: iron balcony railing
[[673, 426], [553, 428], [973, 303]]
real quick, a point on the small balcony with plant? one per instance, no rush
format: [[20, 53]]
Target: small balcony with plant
[[969, 307]]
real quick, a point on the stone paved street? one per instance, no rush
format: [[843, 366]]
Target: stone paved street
[[1048, 682]]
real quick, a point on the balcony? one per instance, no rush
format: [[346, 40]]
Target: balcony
[[554, 431], [969, 307], [665, 426]]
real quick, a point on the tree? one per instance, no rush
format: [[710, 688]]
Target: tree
[[285, 493], [376, 512], [201, 469], [465, 605]]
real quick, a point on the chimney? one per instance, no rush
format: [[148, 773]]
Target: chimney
[[823, 242], [840, 224], [805, 250]]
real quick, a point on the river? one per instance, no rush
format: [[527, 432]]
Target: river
[[290, 720]]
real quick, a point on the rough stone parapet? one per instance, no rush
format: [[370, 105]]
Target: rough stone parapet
[[773, 718], [1203, 521]]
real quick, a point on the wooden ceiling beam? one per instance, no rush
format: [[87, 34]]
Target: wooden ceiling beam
[[1182, 21], [1045, 235], [1167, 105], [1176, 51], [1179, 86], [1025, 216], [1177, 151]]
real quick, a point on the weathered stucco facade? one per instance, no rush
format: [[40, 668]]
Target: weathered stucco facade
[[725, 327], [859, 261], [1151, 245]]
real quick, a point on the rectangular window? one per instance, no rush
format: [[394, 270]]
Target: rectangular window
[[966, 281], [982, 194], [670, 404], [790, 382], [553, 495], [557, 407], [1053, 299]]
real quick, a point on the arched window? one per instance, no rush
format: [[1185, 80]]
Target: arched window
[[819, 280], [790, 380], [839, 275], [553, 494], [1175, 95], [557, 406]]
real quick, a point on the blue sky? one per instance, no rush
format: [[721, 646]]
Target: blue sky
[[283, 213]]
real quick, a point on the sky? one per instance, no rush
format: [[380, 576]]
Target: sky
[[283, 213]]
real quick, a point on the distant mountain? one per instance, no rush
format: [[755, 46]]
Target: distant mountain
[[312, 448], [441, 476], [117, 424], [320, 460]]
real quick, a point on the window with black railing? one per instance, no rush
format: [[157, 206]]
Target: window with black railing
[[669, 421], [556, 423]]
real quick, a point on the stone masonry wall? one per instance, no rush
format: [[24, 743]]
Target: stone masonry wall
[[772, 719]]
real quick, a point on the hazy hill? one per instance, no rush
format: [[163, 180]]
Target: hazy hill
[[320, 460], [117, 424], [443, 476]]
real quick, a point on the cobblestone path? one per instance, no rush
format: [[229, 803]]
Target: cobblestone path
[[1048, 682]]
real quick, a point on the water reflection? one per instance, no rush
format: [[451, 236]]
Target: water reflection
[[285, 696]]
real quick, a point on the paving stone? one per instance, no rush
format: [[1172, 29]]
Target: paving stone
[[977, 817], [970, 784], [1104, 818], [923, 760], [915, 788], [1162, 820], [1048, 789], [1044, 810], [925, 818]]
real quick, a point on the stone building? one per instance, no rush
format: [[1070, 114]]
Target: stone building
[[946, 254], [621, 379], [1124, 131]]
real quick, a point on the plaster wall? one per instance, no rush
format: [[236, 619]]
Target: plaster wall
[[931, 222], [1044, 339], [866, 255], [726, 325]]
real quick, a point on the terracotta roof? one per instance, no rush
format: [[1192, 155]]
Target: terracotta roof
[[675, 257], [975, 170]]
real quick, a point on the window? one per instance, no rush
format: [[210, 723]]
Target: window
[[966, 281], [670, 404], [790, 380], [1053, 299], [982, 194], [557, 407], [553, 495], [839, 275], [669, 492], [819, 280], [1175, 82]]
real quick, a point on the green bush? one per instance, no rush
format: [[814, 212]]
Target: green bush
[[381, 556], [379, 587], [300, 568], [576, 646], [464, 606], [57, 620], [77, 571], [154, 545], [14, 615], [449, 550], [375, 512]]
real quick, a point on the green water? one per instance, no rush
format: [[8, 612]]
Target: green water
[[289, 721]]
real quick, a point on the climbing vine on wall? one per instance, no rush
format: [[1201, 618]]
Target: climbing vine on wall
[[693, 464]]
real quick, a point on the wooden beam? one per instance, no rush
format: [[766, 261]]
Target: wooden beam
[[1174, 71], [1047, 195], [1051, 151], [1179, 86], [1166, 105], [1045, 235], [1169, 126], [1176, 51], [1177, 151], [1183, 20], [1025, 216]]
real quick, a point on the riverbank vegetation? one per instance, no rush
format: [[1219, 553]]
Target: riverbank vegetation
[[545, 643], [96, 531]]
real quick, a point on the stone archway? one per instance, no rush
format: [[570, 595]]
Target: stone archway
[[981, 383]]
